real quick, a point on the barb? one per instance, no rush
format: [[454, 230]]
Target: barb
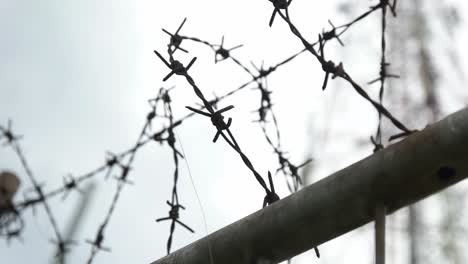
[[278, 6], [174, 217], [220, 52], [175, 66], [97, 243], [63, 247], [343, 28], [69, 184], [7, 133], [176, 39], [271, 196], [265, 103], [329, 66], [331, 34], [217, 119]]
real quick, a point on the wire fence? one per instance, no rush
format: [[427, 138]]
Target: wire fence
[[161, 113]]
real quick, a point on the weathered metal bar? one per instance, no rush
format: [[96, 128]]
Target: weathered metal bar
[[403, 173], [379, 233]]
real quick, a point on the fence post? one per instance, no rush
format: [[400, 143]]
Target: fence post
[[380, 215]]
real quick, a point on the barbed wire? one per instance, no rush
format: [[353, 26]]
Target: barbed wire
[[111, 161], [12, 141], [174, 203], [10, 215], [337, 70], [383, 74], [216, 116], [290, 171]]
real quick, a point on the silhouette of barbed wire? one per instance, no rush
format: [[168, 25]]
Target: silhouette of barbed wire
[[166, 134], [111, 160], [216, 117], [12, 141], [122, 180], [383, 74], [337, 70], [171, 140], [290, 171]]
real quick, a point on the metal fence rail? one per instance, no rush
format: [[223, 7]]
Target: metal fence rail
[[403, 173]]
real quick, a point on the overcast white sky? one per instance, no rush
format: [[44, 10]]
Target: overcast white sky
[[75, 77]]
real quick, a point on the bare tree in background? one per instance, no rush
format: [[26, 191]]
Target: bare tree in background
[[422, 28], [416, 36]]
